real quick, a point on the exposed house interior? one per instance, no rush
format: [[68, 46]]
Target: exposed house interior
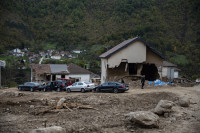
[[131, 59], [133, 71]]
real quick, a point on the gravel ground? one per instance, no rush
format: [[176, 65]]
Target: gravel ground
[[22, 111]]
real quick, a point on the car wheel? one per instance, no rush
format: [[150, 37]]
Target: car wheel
[[58, 90], [82, 90], [68, 90], [97, 90], [115, 90], [31, 89], [19, 88]]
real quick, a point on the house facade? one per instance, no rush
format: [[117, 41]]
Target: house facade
[[51, 72], [17, 52], [169, 71], [130, 59], [56, 57]]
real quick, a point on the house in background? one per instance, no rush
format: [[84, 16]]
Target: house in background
[[78, 73], [51, 72], [168, 71], [76, 51], [17, 52], [130, 59], [56, 57]]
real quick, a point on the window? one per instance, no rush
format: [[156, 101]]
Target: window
[[104, 84], [80, 83], [62, 76], [111, 84], [87, 82], [25, 83]]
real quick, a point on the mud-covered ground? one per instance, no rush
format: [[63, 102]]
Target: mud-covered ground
[[22, 111]]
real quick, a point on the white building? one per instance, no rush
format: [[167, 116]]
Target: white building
[[169, 71], [56, 56], [77, 51], [17, 52], [51, 72]]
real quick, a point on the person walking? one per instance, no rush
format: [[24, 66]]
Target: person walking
[[143, 81]]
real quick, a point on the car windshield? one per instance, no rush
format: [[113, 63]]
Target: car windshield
[[36, 84], [26, 83], [87, 83], [104, 84]]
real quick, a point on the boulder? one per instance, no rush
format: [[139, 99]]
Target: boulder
[[184, 102], [60, 103], [10, 93], [144, 118], [164, 106], [53, 129]]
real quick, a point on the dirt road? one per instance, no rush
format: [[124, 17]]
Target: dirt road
[[22, 111]]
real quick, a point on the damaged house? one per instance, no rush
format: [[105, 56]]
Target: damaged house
[[51, 72], [130, 59]]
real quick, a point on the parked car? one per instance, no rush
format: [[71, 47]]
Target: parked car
[[31, 86], [67, 82], [50, 86], [80, 86], [61, 85], [112, 87]]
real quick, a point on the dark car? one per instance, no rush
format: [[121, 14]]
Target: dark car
[[111, 87], [50, 86], [67, 82], [58, 85], [61, 84], [31, 86]]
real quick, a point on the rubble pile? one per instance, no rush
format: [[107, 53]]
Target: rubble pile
[[61, 104]]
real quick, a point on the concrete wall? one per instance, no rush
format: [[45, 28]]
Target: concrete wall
[[115, 74], [170, 73], [81, 77], [103, 70], [175, 74], [164, 72], [39, 78], [153, 58], [134, 53]]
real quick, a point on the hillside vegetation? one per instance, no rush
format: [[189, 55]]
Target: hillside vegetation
[[172, 27]]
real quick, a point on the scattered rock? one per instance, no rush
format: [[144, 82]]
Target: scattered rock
[[10, 93], [164, 106], [144, 118], [166, 115], [49, 102], [184, 102], [60, 103], [32, 106], [53, 129]]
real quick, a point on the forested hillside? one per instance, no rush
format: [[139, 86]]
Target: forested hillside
[[170, 26]]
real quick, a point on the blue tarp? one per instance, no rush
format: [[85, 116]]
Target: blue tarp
[[159, 83]]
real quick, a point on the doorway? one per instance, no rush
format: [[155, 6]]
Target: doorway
[[150, 71], [132, 68]]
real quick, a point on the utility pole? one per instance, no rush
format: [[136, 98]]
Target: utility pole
[[2, 64]]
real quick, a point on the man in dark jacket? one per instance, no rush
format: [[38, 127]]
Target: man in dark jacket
[[143, 81]]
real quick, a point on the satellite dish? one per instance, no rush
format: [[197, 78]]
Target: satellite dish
[[2, 63]]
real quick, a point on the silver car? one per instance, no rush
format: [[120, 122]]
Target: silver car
[[80, 86]]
